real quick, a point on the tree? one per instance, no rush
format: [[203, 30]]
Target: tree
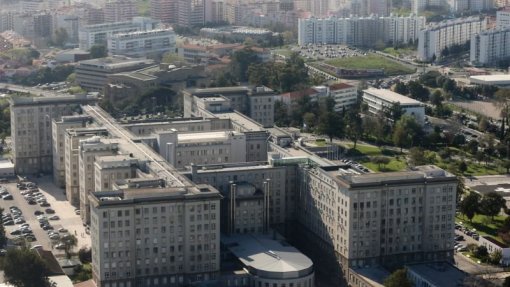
[[491, 204], [506, 165], [401, 88], [398, 279], [407, 132], [69, 241], [502, 101], [463, 167], [394, 112], [436, 98], [24, 268], [506, 283], [417, 156], [171, 57], [469, 205], [3, 237], [98, 51], [495, 257], [241, 60], [61, 37], [330, 124], [354, 126], [309, 120], [481, 252], [418, 91], [381, 160], [85, 255]]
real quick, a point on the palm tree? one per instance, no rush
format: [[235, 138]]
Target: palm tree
[[69, 241]]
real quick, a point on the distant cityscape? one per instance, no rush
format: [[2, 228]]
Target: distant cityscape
[[255, 143]]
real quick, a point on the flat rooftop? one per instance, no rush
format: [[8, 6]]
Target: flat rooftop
[[391, 96], [205, 137], [236, 89], [245, 122], [493, 79], [38, 101], [5, 163], [439, 274], [268, 258]]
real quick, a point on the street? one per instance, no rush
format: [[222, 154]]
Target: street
[[56, 198]]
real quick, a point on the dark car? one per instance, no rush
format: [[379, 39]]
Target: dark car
[[44, 204], [16, 232], [38, 212], [49, 211], [31, 202], [9, 222]]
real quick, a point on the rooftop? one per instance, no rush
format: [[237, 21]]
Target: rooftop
[[5, 163], [340, 86], [439, 274], [495, 241], [391, 96], [116, 62], [267, 257], [55, 100], [492, 78], [241, 120]]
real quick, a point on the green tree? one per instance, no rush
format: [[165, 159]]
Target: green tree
[[85, 255], [24, 268], [98, 51], [69, 241], [502, 101], [354, 126], [330, 124], [417, 156], [3, 237], [437, 98], [418, 91], [381, 160], [407, 132], [481, 252], [240, 62], [469, 205], [495, 257], [395, 112], [398, 279], [61, 37], [401, 88], [309, 120], [462, 167], [491, 204], [506, 165], [281, 114]]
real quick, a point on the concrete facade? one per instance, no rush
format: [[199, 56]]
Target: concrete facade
[[379, 100]]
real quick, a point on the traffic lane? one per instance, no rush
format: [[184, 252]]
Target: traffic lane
[[467, 239], [28, 213], [469, 266], [68, 218]]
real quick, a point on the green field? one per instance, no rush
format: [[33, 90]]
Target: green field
[[371, 61], [394, 165]]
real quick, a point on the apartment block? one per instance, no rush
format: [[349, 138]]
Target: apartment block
[[98, 34], [190, 12], [110, 169], [360, 31], [72, 151], [31, 129], [490, 46], [439, 36], [150, 43], [255, 102], [379, 100], [503, 19], [378, 219], [92, 75], [59, 128], [164, 10], [145, 233], [120, 10], [88, 151]]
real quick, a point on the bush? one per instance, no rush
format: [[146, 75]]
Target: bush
[[481, 252], [85, 255]]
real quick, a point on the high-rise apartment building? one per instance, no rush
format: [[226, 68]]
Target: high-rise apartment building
[[190, 12], [59, 128], [164, 10], [490, 46], [503, 19], [31, 129], [148, 234], [360, 31], [437, 37], [120, 10]]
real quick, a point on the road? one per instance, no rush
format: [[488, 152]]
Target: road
[[467, 265], [487, 180], [29, 90]]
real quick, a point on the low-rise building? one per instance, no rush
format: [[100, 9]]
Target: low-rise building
[[270, 261], [493, 245], [379, 100], [435, 274], [491, 80], [345, 96], [92, 75], [150, 43], [6, 168]]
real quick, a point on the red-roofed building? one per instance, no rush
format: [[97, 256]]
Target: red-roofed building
[[345, 95]]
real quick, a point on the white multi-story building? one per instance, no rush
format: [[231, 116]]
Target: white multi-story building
[[378, 100], [345, 96], [437, 37], [490, 46], [503, 19], [360, 31], [99, 34], [145, 233], [142, 43]]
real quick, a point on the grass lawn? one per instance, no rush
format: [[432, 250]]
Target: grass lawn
[[394, 165], [371, 61], [483, 224], [284, 52], [363, 149]]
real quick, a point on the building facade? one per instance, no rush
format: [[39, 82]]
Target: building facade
[[150, 43], [120, 10], [360, 31], [490, 47], [446, 34], [379, 100], [31, 129]]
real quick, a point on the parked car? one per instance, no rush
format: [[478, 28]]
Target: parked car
[[62, 230], [7, 197], [49, 211], [54, 217], [38, 212]]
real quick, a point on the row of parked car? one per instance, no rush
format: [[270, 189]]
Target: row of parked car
[[23, 232], [472, 233], [4, 194]]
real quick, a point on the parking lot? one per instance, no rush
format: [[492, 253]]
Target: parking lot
[[319, 51], [55, 197]]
